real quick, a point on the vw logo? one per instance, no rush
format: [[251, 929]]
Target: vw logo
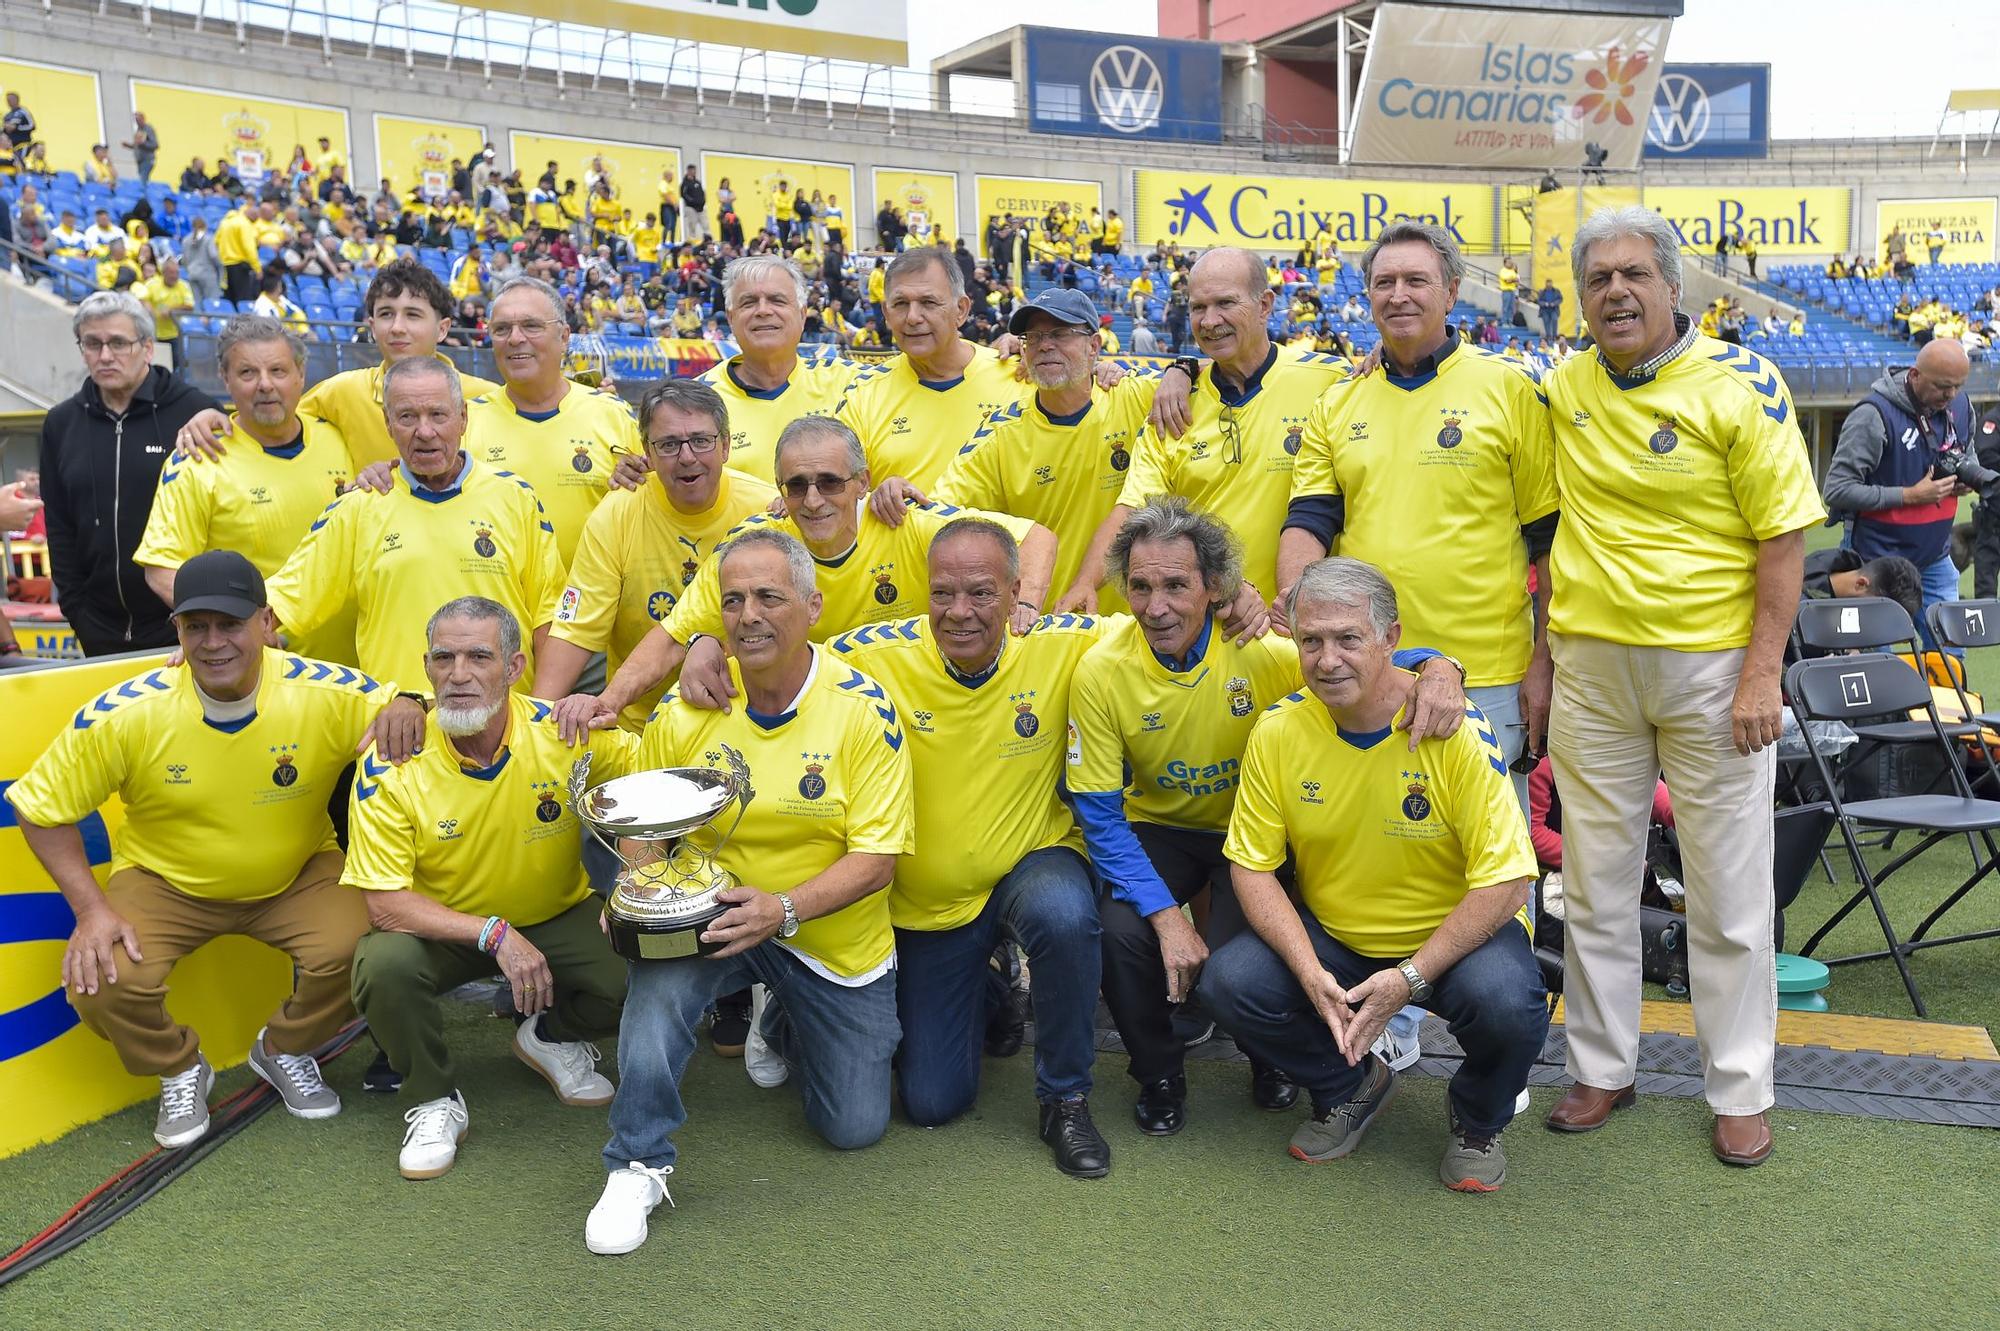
[[1680, 114], [1127, 90]]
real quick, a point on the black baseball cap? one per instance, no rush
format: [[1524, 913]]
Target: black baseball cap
[[222, 581]]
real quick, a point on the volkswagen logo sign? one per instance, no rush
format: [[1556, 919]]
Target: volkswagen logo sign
[[1680, 114], [1127, 90]]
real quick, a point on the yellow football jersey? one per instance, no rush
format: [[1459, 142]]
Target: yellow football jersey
[[1172, 739], [1005, 735], [1388, 842], [399, 556], [352, 401], [1235, 461], [1667, 485], [566, 454], [1437, 474], [227, 812], [636, 556], [887, 573], [913, 429], [495, 840], [757, 416], [832, 778], [1063, 472]]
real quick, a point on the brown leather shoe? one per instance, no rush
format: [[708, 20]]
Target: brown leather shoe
[[1742, 1139], [1584, 1108]]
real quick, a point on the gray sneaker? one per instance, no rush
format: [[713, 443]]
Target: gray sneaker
[[1336, 1133], [183, 1116], [1473, 1162], [296, 1079]]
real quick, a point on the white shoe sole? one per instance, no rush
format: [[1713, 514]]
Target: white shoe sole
[[581, 1102], [327, 1111], [190, 1136], [617, 1250], [441, 1170], [770, 1078]]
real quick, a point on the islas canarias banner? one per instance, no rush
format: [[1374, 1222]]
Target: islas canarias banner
[[1201, 208]]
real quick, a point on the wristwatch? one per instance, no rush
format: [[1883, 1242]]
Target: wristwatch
[[1188, 366], [791, 924], [1420, 988]]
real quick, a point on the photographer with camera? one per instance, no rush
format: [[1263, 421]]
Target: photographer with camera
[[1904, 457]]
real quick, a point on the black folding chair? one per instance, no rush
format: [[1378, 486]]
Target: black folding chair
[[1798, 836], [1855, 688], [1967, 625], [1864, 624]]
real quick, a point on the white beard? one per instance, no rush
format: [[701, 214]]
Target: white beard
[[460, 721]]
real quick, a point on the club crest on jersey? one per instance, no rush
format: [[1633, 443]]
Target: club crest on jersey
[[690, 562], [482, 541], [1417, 803], [547, 807], [1452, 435], [1026, 723], [581, 462], [1664, 439], [1121, 457], [1295, 439], [812, 785], [885, 586], [1240, 701], [659, 605], [285, 773], [1310, 793]]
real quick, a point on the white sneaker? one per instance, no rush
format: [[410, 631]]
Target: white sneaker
[[570, 1068], [618, 1222], [183, 1116], [766, 1066], [431, 1144], [1521, 1103]]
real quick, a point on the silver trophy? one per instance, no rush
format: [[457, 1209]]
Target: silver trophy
[[667, 892]]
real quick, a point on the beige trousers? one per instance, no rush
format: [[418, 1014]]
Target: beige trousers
[[1623, 716]]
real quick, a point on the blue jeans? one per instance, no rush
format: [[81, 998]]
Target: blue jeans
[[1940, 584], [1508, 300], [1047, 904], [1493, 999], [845, 1039]]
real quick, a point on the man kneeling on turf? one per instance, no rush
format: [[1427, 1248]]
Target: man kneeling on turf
[[1412, 869], [468, 857]]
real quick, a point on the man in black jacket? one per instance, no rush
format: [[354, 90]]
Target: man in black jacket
[[102, 451], [1985, 521]]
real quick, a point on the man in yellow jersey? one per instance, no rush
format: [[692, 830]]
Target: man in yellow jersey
[[408, 312], [169, 296], [1160, 711], [224, 767], [980, 706], [769, 383], [236, 250], [449, 526], [1248, 408], [641, 548], [1058, 456], [261, 496], [1510, 290], [467, 856], [867, 569], [1411, 870], [1686, 497], [830, 764], [1438, 469], [915, 409]]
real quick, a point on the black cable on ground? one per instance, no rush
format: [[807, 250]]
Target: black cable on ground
[[123, 1193]]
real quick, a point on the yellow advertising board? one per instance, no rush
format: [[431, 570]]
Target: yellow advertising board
[[1557, 214], [930, 195], [753, 179], [1967, 225], [634, 168], [68, 112], [256, 134], [1281, 213], [874, 31], [54, 1073], [1030, 198], [1781, 219], [414, 153]]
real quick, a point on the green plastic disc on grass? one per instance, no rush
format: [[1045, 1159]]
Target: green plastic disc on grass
[[1801, 975]]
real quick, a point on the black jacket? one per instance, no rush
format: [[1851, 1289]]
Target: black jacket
[[99, 472]]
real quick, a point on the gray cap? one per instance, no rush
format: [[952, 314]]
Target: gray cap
[[1064, 303]]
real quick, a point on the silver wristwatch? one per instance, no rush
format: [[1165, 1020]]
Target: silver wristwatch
[[791, 924], [1420, 988]]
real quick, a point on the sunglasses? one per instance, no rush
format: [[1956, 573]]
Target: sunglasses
[[826, 483]]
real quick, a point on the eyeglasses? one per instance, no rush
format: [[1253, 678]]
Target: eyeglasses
[[826, 483], [531, 329], [1232, 435], [1036, 337], [697, 444], [117, 346]]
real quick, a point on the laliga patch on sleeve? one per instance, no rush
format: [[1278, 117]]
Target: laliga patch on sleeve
[[1850, 619], [1074, 756], [566, 609]]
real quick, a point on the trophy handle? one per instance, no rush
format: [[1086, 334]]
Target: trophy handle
[[579, 786], [740, 769]]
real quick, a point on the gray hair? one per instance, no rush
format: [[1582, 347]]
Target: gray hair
[[417, 367], [1252, 267], [684, 395], [109, 304], [1611, 223], [819, 427], [755, 266], [1450, 260], [911, 262], [245, 329], [539, 287], [479, 609], [798, 559], [986, 527], [1343, 581], [1217, 552]]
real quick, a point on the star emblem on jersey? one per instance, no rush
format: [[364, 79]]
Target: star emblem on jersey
[[1417, 803], [581, 462], [1026, 723], [1452, 434], [286, 772], [547, 807], [885, 586], [812, 785], [482, 541], [659, 605], [1310, 793], [1664, 439]]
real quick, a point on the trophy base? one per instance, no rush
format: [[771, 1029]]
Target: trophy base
[[660, 940]]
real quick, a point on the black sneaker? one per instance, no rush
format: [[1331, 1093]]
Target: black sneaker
[[1080, 1149], [380, 1077], [730, 1026]]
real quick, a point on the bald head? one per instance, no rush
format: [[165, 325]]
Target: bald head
[[1939, 374], [1233, 262]]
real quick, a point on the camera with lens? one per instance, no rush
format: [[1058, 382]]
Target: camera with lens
[[1957, 461]]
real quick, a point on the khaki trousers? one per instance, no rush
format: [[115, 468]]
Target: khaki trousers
[[315, 921], [1622, 717]]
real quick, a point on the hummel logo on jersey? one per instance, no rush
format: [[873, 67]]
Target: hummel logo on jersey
[[1151, 721], [1358, 430], [1582, 418], [901, 425], [393, 541]]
